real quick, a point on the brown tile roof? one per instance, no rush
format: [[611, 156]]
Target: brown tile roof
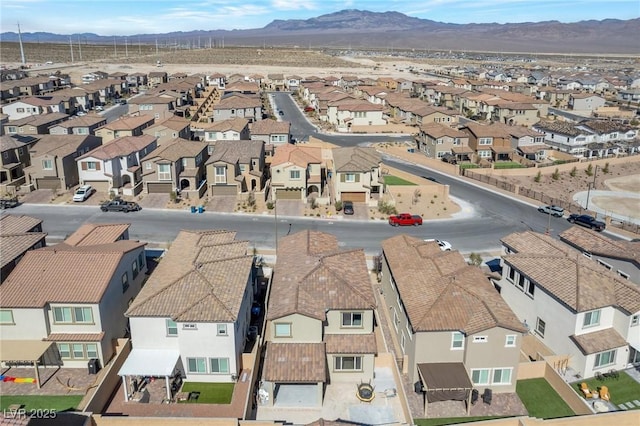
[[75, 337], [238, 101], [8, 142], [37, 120], [236, 124], [63, 274], [298, 155], [176, 149], [120, 147], [599, 341], [601, 245], [562, 127], [16, 224], [350, 343], [92, 234], [173, 122], [441, 292], [14, 245], [356, 159], [129, 122], [437, 130], [60, 145], [481, 131], [84, 121], [151, 99], [232, 152], [355, 105], [579, 282], [295, 362], [269, 127], [312, 276], [202, 278]]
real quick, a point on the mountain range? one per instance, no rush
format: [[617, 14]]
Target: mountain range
[[359, 29]]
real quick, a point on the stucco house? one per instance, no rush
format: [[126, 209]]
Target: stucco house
[[116, 166], [585, 102], [297, 172], [14, 158], [435, 140], [346, 113], [234, 167], [489, 142], [124, 126], [86, 125], [357, 175], [159, 106], [244, 106], [170, 128], [35, 105], [320, 319], [528, 143], [446, 311], [35, 124], [578, 307], [232, 129], [192, 316], [18, 234], [271, 132], [74, 314]]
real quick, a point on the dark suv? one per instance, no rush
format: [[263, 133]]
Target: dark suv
[[587, 221], [347, 207]]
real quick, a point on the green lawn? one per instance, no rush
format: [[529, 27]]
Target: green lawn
[[58, 403], [624, 389], [452, 420], [541, 400], [395, 180], [507, 165], [211, 393]]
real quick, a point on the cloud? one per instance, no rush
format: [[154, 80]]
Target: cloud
[[293, 5]]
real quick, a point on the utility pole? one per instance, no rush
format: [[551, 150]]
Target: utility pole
[[24, 61], [156, 47], [126, 47], [80, 48], [115, 47], [71, 47], [590, 185], [139, 47]]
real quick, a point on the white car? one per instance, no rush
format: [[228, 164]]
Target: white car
[[99, 108], [444, 245], [81, 113], [82, 193]]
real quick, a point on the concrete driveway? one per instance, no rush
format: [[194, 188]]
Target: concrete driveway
[[39, 196], [222, 203], [154, 201], [360, 212], [289, 207]]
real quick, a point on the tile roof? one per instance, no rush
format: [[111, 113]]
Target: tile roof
[[84, 121], [562, 127], [202, 278], [601, 245], [599, 341], [236, 124], [15, 224], [356, 159], [481, 130], [63, 274], [176, 149], [152, 99], [75, 337], [269, 127], [15, 141], [232, 152], [14, 245], [173, 122], [579, 282], [437, 130], [298, 155], [40, 119], [441, 292], [92, 234], [60, 145], [129, 122], [312, 276], [350, 343], [120, 147], [238, 101], [295, 362]]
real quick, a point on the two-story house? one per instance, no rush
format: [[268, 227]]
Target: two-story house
[[116, 166], [566, 137], [169, 129], [296, 172], [65, 304], [435, 140], [159, 106], [33, 106], [244, 106], [528, 143], [489, 142], [358, 175], [53, 160], [178, 165], [86, 125], [233, 129], [18, 234], [574, 304], [346, 113], [271, 132], [446, 315], [193, 314], [35, 124], [14, 158], [124, 126], [585, 102], [234, 167], [320, 319]]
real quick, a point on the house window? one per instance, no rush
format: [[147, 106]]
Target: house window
[[221, 174], [65, 350], [62, 315], [350, 177], [6, 316], [141, 260], [540, 326], [635, 320], [189, 326], [19, 109], [484, 154], [501, 376], [352, 319], [134, 269], [83, 315], [480, 376], [164, 171], [396, 320], [47, 164], [605, 358], [294, 174], [91, 165], [484, 141], [77, 350], [531, 287], [222, 329], [172, 327], [591, 319], [512, 274], [147, 166], [402, 341], [510, 341], [606, 265], [125, 281], [457, 340], [348, 363], [282, 329], [480, 339], [521, 281], [91, 350], [12, 129], [197, 365], [219, 365]]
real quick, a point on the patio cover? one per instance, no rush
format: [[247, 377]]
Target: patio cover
[[150, 362], [445, 381], [23, 350]]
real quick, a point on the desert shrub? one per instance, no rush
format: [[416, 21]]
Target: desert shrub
[[573, 171], [270, 205], [475, 259], [556, 175], [538, 177], [589, 170], [605, 169], [386, 208], [338, 205]]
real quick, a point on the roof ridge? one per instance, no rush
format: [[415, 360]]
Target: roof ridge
[[213, 294]]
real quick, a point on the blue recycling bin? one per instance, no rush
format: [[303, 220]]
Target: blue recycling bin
[[200, 209], [193, 209]]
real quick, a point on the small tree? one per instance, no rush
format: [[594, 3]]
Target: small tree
[[173, 196], [338, 206], [475, 259], [538, 177], [605, 169], [416, 196], [270, 205], [589, 170], [251, 199], [573, 171], [556, 175]]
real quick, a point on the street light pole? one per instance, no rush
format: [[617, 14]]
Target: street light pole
[[275, 212], [590, 185]]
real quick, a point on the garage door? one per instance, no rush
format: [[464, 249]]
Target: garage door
[[289, 194], [159, 188], [48, 183], [98, 185], [224, 190], [356, 197]]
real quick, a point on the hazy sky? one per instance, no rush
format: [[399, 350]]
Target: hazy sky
[[117, 17]]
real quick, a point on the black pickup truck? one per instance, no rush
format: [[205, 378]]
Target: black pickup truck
[[119, 205], [8, 203], [587, 221]]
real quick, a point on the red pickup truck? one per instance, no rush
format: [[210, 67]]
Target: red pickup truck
[[405, 219]]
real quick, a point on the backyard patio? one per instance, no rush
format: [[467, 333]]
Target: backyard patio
[[623, 388]]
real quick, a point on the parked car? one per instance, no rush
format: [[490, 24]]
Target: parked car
[[405, 219], [444, 245], [9, 203], [347, 207], [587, 221], [309, 109], [281, 112], [81, 113], [120, 205], [449, 158], [99, 108], [82, 193], [556, 211], [122, 101]]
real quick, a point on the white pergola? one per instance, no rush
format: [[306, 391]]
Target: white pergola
[[26, 351], [149, 363]]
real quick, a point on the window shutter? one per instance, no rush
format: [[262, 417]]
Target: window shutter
[[357, 177], [97, 166], [342, 177], [84, 165]]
